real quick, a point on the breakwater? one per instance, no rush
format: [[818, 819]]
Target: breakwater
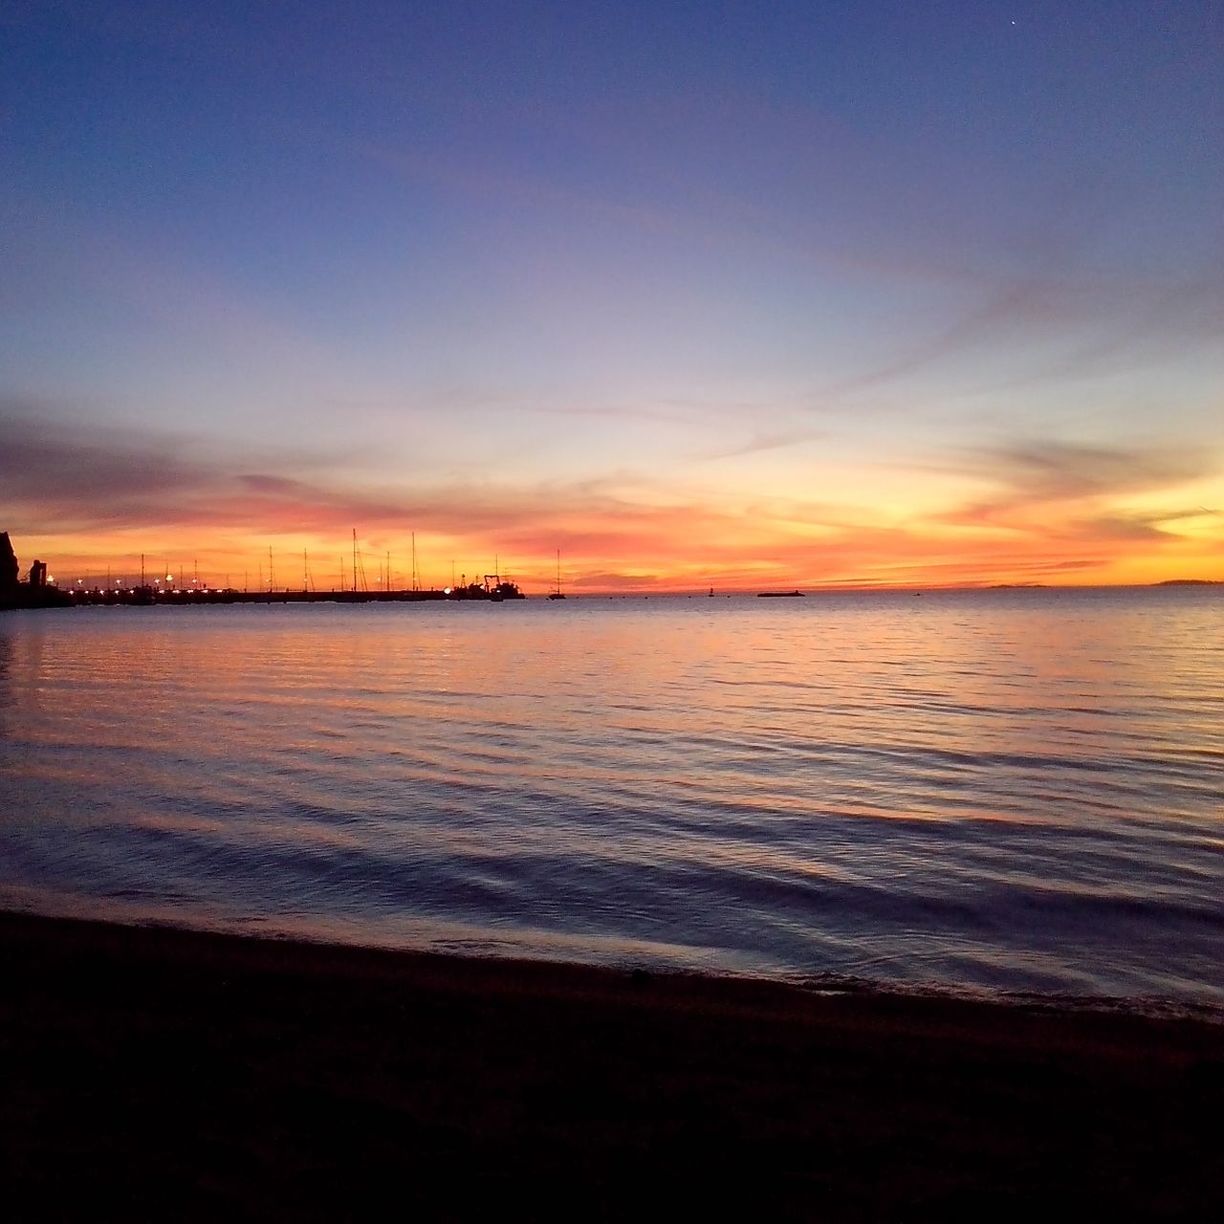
[[149, 596]]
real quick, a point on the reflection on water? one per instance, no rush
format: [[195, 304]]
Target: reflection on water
[[1006, 789], [6, 659]]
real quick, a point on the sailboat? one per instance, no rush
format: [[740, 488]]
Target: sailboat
[[556, 594]]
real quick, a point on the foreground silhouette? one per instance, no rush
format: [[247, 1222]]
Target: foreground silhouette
[[160, 1074], [9, 569], [35, 592]]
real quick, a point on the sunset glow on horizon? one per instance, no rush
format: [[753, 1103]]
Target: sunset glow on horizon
[[745, 297]]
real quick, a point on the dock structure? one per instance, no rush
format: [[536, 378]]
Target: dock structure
[[179, 597], [40, 590]]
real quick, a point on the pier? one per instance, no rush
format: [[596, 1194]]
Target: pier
[[195, 597]]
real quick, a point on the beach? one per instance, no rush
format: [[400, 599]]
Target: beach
[[156, 1072]]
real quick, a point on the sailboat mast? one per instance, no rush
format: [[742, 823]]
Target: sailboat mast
[[556, 592], [354, 560]]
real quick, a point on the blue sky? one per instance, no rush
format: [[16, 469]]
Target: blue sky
[[828, 269]]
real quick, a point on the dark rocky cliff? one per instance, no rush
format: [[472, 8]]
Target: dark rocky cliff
[[8, 572]]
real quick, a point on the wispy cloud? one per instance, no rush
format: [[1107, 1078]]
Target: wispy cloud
[[965, 332], [1111, 503], [765, 440], [1048, 471]]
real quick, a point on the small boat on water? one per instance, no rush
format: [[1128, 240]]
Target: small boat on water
[[779, 594]]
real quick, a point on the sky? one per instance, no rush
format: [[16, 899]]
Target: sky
[[693, 294]]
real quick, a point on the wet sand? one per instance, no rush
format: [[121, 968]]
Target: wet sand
[[164, 1074]]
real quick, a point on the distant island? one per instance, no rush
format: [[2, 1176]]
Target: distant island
[[1189, 582]]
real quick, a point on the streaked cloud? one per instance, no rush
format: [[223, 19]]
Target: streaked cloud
[[1052, 472], [1058, 510]]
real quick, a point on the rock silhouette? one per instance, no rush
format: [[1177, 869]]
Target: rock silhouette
[[9, 570]]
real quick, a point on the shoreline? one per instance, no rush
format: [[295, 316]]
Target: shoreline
[[646, 965], [152, 1069], [646, 962], [69, 597]]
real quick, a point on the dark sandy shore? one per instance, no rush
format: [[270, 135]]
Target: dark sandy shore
[[161, 1074]]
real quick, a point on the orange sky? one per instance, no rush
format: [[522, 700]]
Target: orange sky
[[1056, 519]]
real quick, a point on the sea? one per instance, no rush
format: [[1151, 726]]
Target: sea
[[1006, 792]]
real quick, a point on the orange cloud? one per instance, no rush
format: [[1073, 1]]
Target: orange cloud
[[1052, 512]]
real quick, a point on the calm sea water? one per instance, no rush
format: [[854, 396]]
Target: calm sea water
[[1013, 790]]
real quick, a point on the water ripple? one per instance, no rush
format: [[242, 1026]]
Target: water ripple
[[1002, 791]]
